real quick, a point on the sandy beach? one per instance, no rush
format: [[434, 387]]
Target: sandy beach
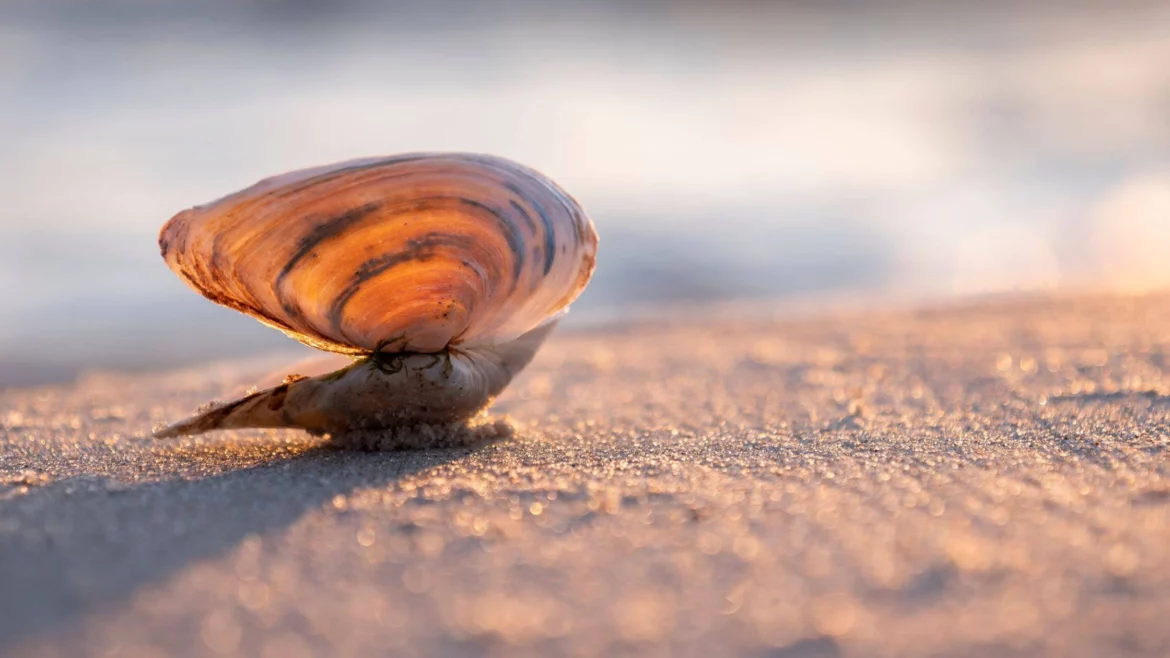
[[983, 478]]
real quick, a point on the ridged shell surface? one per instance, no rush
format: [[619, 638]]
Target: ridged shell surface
[[411, 253]]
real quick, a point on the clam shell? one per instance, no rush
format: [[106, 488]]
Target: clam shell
[[411, 253], [442, 273]]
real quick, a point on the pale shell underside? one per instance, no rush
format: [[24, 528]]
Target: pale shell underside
[[446, 271]]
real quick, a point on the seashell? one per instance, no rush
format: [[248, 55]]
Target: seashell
[[439, 274]]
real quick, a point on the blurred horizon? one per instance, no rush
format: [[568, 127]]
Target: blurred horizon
[[725, 151]]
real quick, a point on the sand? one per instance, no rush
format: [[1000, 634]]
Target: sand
[[991, 478]]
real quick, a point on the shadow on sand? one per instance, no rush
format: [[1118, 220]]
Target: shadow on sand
[[88, 543]]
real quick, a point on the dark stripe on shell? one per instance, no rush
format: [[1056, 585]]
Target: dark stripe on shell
[[323, 232], [509, 171], [332, 228], [420, 249], [511, 234], [550, 235], [524, 215]]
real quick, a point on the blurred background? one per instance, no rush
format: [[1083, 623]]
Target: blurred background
[[725, 150]]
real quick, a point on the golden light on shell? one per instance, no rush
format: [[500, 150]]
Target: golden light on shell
[[440, 273]]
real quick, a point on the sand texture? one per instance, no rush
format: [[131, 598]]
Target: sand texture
[[986, 479]]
